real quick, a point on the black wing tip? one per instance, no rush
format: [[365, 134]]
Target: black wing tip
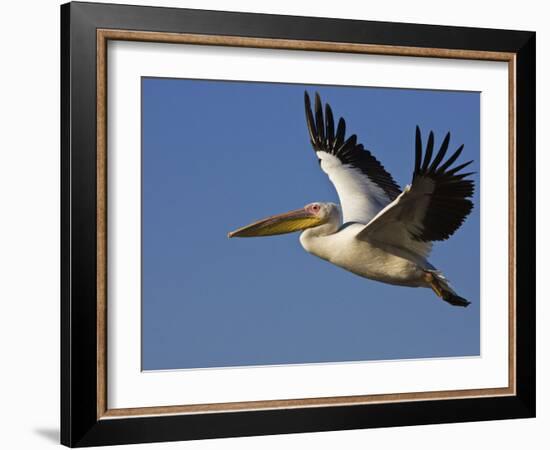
[[458, 168], [324, 137], [423, 159], [315, 119], [317, 101], [450, 200], [310, 121], [307, 98], [456, 300]]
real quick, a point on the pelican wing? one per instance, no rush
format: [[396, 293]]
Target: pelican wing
[[363, 185], [431, 208]]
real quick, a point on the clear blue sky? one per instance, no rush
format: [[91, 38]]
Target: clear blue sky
[[218, 155]]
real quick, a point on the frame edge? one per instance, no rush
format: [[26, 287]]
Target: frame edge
[[65, 186], [80, 430], [526, 224]]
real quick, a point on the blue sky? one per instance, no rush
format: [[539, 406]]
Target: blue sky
[[218, 155]]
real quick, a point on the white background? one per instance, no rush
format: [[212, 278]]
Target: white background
[[128, 387], [29, 225]]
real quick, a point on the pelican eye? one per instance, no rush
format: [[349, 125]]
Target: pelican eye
[[315, 208]]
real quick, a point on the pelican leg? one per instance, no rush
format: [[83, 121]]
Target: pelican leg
[[432, 282], [443, 291]]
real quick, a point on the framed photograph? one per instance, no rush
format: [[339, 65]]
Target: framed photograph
[[276, 224]]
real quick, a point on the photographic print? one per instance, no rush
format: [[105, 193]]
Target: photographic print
[[377, 256], [275, 224]]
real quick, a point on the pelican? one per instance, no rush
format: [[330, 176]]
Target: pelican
[[378, 231]]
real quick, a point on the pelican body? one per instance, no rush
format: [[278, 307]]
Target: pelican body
[[378, 231], [362, 257]]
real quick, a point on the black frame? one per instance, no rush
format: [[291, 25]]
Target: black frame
[[79, 423]]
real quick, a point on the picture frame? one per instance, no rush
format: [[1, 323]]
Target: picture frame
[[86, 30]]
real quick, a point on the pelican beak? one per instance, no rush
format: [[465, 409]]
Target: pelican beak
[[291, 221]]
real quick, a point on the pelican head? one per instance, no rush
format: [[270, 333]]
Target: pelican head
[[318, 218]]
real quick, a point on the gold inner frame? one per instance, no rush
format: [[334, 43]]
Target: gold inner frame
[[103, 36]]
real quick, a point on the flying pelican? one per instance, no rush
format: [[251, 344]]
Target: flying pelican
[[378, 232]]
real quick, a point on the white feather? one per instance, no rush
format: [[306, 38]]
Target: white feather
[[361, 199], [363, 258], [395, 225]]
